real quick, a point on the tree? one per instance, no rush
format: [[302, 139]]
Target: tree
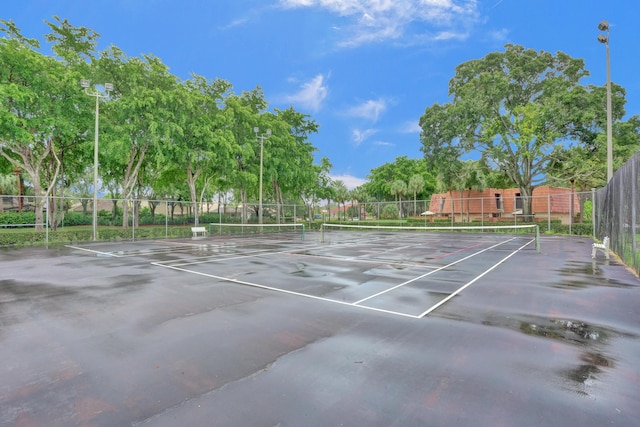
[[316, 189], [7, 185], [472, 178], [582, 165], [39, 106], [398, 188], [512, 108], [202, 144], [415, 185], [288, 161], [341, 194], [380, 178], [243, 114], [142, 122]]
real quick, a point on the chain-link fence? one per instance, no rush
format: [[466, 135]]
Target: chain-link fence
[[552, 208], [71, 218], [610, 211], [616, 209], [31, 220]]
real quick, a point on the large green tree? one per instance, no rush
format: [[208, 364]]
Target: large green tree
[[511, 107], [142, 119], [39, 104]]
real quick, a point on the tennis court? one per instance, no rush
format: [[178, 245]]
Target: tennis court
[[407, 272], [345, 327]]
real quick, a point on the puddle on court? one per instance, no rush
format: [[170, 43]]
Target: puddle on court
[[310, 273], [586, 275], [592, 363], [564, 330]]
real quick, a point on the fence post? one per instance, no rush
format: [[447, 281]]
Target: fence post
[[46, 222], [634, 193], [593, 212]]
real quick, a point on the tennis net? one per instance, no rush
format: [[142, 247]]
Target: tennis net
[[294, 231], [528, 235]]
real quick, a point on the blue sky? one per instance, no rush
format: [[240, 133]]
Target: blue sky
[[364, 70]]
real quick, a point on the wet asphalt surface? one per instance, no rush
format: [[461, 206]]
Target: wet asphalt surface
[[142, 336]]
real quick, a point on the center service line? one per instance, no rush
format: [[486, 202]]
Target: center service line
[[431, 272], [474, 280]]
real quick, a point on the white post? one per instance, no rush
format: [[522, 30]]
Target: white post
[[95, 172]]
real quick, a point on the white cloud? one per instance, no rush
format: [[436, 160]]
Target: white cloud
[[349, 180], [499, 35], [384, 144], [369, 110], [235, 23], [411, 126], [450, 35], [381, 20], [358, 136], [311, 94]]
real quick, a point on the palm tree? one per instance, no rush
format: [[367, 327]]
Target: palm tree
[[398, 188], [472, 177], [416, 185], [360, 196], [341, 193]]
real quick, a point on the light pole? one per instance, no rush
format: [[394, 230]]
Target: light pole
[[108, 87], [604, 26], [261, 138]]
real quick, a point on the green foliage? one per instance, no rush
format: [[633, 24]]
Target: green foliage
[[76, 218], [588, 209], [17, 218], [402, 169], [513, 107], [389, 212]]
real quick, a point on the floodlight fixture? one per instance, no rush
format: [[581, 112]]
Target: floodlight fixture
[[261, 138], [108, 87], [604, 39]]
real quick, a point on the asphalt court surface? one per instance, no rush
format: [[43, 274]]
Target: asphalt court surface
[[407, 274], [267, 332]]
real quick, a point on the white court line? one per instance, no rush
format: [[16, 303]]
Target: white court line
[[432, 271], [284, 291], [474, 280], [266, 252], [357, 303], [94, 252], [217, 258], [296, 252]]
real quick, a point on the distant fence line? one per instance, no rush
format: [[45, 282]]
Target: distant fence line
[[610, 211], [78, 211]]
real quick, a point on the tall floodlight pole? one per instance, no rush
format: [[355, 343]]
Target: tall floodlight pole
[[604, 26], [108, 87], [261, 138]]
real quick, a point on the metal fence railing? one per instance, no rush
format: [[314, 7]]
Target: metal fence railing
[[610, 211], [549, 210]]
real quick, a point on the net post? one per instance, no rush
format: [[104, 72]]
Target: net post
[[302, 231], [322, 232], [538, 238]]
